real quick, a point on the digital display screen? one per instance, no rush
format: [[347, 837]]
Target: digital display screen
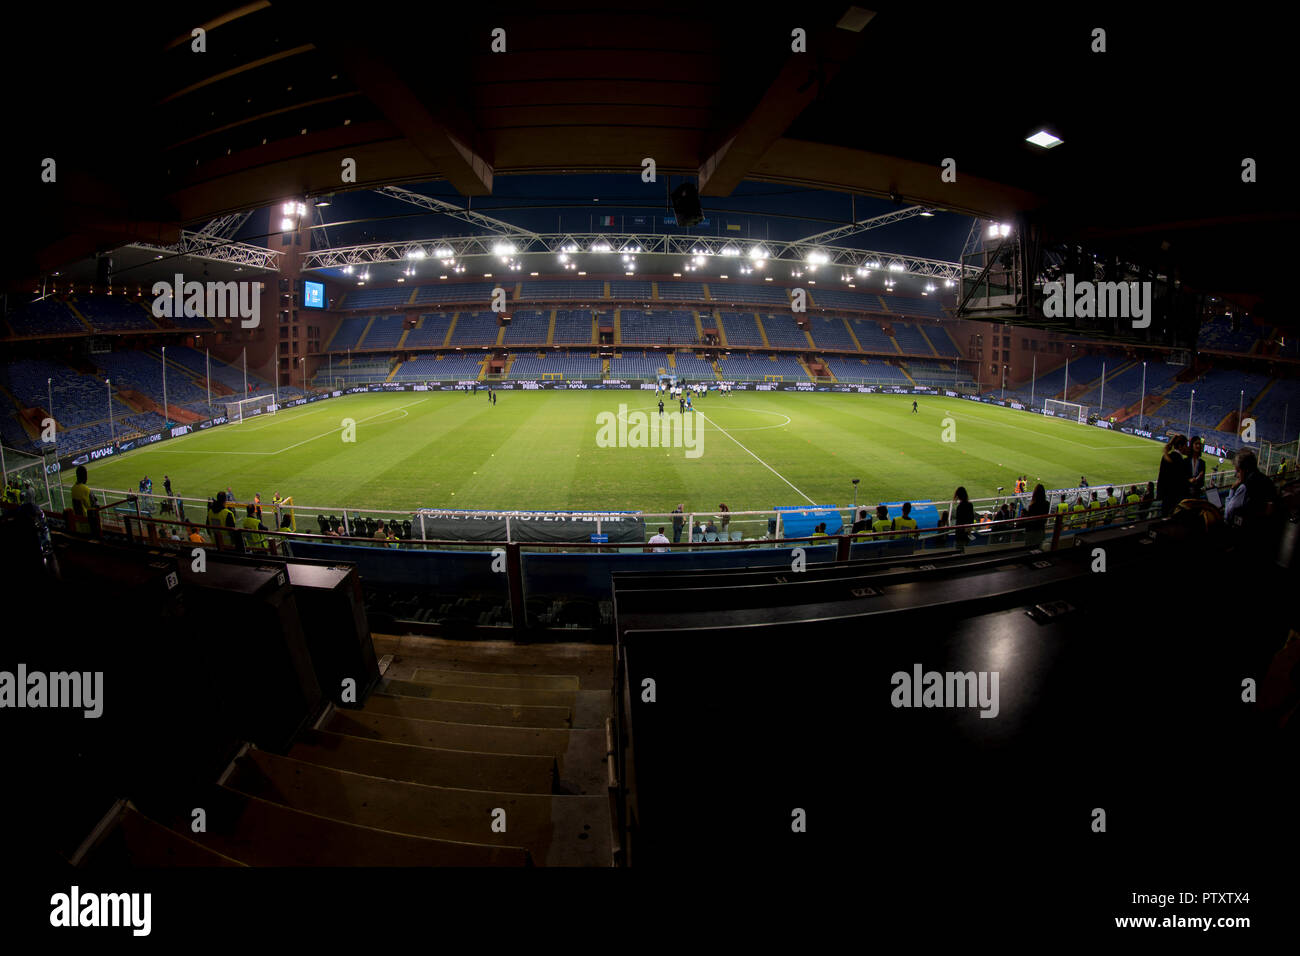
[[313, 294]]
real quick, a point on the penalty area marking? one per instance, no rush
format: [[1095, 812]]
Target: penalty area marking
[[189, 451], [756, 458]]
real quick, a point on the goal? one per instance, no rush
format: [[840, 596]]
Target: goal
[[257, 405], [1069, 409]]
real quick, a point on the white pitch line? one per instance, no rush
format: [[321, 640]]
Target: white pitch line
[[187, 451], [757, 459], [274, 418]]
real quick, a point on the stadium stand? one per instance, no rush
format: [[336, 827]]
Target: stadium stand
[[783, 331], [447, 367], [455, 292], [919, 306], [695, 369], [1217, 335], [634, 289], [830, 333], [384, 333], [567, 365], [743, 292], [844, 299], [872, 337], [742, 367], [657, 328], [741, 330], [48, 316], [430, 333], [554, 290], [527, 327], [574, 328], [348, 334], [910, 339], [378, 298], [682, 291], [942, 341], [109, 313], [631, 364], [475, 328]]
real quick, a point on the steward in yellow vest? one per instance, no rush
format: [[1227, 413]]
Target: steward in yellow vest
[[250, 524]]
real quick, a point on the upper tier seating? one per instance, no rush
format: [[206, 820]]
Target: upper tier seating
[[658, 328], [49, 316], [527, 326], [110, 313], [574, 327], [475, 328], [378, 298], [741, 329], [430, 333]]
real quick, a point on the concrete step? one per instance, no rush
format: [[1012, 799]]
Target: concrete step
[[557, 830], [580, 754], [512, 773], [262, 832], [561, 682], [485, 695], [137, 841], [463, 712]]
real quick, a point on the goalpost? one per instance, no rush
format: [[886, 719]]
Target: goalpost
[[248, 407], [1071, 409]]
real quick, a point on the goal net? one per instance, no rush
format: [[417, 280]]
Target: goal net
[[1068, 409], [26, 478], [248, 407]]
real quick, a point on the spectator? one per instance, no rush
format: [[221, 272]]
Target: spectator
[[1172, 480], [1148, 502], [381, 534], [195, 536], [1036, 515], [221, 516], [677, 524], [1196, 469], [820, 531], [1132, 502], [1094, 509], [1252, 511], [1003, 516], [963, 514], [882, 522], [862, 524], [82, 500], [943, 520], [1083, 482], [711, 528], [906, 522], [1079, 511], [659, 539], [726, 518], [251, 524]]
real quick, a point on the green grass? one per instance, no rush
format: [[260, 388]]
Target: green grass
[[537, 450]]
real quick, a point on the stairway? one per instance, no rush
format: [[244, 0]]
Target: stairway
[[468, 753]]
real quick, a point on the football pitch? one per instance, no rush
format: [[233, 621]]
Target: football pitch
[[539, 450]]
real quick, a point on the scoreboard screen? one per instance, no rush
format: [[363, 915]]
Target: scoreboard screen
[[313, 294]]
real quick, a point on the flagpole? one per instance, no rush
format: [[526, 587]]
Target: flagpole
[[207, 362], [1032, 381], [1101, 402], [245, 395]]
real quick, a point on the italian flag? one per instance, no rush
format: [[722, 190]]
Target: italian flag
[[605, 220]]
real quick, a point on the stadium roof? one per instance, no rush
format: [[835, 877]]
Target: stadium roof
[[152, 137]]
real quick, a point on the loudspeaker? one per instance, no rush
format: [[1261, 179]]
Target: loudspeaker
[[103, 270], [686, 205]]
